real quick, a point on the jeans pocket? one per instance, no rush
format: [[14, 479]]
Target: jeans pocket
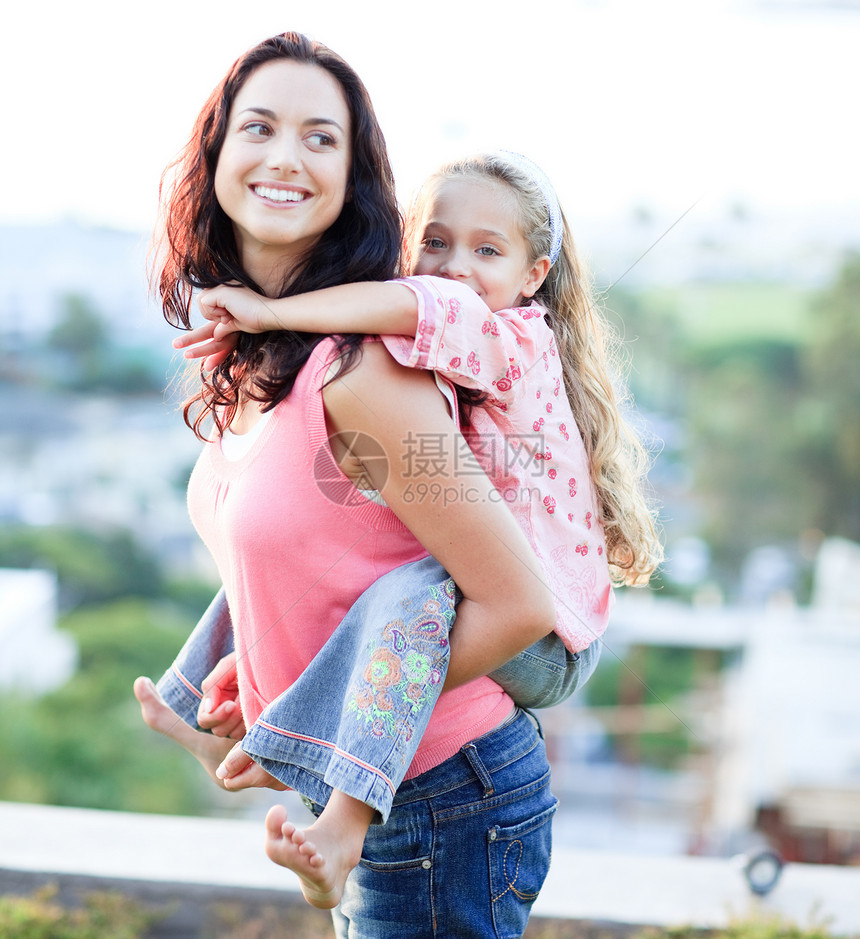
[[389, 894], [519, 857], [403, 843]]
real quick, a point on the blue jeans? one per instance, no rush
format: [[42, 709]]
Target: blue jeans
[[358, 729], [465, 850]]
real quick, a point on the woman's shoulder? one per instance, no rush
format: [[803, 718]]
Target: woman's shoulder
[[375, 379]]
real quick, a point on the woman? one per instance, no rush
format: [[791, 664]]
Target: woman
[[285, 187]]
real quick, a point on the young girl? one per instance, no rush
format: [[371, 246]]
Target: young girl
[[497, 305]]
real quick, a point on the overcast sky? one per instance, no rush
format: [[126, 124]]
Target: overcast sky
[[624, 102]]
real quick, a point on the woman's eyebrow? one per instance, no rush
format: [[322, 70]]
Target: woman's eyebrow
[[263, 112], [323, 120]]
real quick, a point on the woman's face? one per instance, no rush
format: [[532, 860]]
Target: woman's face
[[284, 167]]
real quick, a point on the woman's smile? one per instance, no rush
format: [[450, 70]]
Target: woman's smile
[[273, 193]]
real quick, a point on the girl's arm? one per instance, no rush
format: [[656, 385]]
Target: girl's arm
[[455, 333], [456, 515], [371, 308], [458, 336]]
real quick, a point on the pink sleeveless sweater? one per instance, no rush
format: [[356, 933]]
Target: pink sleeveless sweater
[[296, 546]]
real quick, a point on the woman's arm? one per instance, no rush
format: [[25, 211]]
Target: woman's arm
[[451, 507]]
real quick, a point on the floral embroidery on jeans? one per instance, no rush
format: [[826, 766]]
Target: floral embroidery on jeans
[[405, 666]]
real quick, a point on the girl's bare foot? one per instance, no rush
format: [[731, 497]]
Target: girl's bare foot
[[208, 750], [322, 855]]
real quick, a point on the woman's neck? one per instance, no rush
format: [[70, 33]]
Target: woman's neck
[[247, 417], [269, 269]]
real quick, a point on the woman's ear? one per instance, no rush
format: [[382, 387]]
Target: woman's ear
[[536, 276]]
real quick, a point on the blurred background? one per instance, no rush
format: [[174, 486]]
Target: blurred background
[[706, 157]]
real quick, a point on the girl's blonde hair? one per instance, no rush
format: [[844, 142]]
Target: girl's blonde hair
[[590, 353]]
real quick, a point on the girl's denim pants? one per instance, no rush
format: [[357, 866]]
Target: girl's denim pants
[[354, 718]]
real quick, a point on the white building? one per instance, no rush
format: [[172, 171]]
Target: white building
[[35, 657], [781, 730]]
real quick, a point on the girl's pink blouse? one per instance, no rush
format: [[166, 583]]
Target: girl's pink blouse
[[525, 437]]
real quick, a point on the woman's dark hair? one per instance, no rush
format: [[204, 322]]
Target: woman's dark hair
[[197, 248]]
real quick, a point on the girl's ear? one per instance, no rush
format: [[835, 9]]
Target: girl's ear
[[536, 276]]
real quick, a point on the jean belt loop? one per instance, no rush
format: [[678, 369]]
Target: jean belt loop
[[470, 751]]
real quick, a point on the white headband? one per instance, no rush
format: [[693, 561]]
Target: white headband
[[528, 166]]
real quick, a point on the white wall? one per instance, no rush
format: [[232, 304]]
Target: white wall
[[34, 656]]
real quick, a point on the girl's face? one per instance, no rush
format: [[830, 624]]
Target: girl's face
[[284, 167], [468, 230]]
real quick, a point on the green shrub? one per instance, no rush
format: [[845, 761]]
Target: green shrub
[[105, 915], [753, 927]]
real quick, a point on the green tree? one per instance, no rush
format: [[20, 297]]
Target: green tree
[[773, 430], [85, 744], [653, 349], [831, 413], [744, 446], [84, 358], [91, 567], [81, 339]]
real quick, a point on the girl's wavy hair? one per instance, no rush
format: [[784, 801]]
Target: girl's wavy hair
[[590, 353], [195, 245]]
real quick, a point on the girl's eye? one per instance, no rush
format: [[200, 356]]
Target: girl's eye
[[487, 251], [435, 244]]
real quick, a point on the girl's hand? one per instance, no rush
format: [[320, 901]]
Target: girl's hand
[[219, 710], [200, 342], [237, 309], [239, 771], [229, 310]]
